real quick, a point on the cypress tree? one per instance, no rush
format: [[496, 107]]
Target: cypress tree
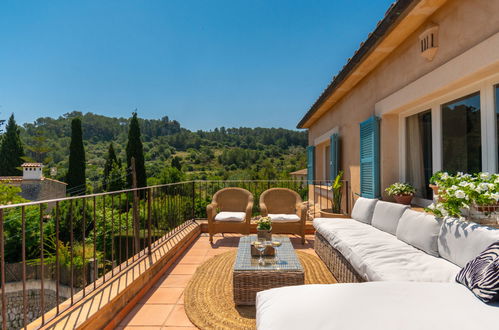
[[110, 161], [135, 149], [11, 150], [76, 171]]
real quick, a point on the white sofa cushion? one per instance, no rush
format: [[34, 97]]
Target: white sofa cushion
[[374, 306], [284, 217], [386, 216], [230, 216], [379, 256], [420, 230], [460, 241], [363, 209]]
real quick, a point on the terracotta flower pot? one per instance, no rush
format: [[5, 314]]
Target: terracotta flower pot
[[264, 234], [436, 191], [403, 199], [434, 188]]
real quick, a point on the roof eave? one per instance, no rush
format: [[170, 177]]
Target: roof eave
[[386, 25]]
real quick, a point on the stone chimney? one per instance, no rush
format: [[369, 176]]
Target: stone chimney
[[32, 171]]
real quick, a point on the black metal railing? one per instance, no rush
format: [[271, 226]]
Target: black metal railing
[[63, 249]]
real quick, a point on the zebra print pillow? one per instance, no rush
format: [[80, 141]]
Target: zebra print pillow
[[481, 275]]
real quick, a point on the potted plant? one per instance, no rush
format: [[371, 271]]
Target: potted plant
[[402, 192], [264, 228], [335, 212], [474, 197]]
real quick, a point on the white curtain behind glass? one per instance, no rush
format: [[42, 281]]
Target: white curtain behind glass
[[414, 154]]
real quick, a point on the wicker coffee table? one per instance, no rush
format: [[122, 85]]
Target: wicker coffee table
[[250, 277]]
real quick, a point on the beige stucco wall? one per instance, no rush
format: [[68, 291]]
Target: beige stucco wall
[[462, 25]]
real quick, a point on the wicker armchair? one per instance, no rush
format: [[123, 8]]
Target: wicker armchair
[[286, 210], [230, 212]]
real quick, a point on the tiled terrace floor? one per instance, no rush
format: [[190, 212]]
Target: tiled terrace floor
[[163, 306]]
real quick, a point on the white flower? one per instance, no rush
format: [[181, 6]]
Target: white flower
[[460, 194], [431, 206], [444, 176], [482, 187], [495, 196], [485, 175]]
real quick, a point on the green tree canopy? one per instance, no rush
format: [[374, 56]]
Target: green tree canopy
[[135, 149], [11, 150], [76, 170], [177, 163]]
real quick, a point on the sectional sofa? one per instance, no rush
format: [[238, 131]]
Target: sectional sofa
[[397, 269]]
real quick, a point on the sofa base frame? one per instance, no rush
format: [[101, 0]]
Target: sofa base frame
[[335, 262]]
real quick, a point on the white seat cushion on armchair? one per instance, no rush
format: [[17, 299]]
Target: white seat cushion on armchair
[[284, 217], [230, 216]]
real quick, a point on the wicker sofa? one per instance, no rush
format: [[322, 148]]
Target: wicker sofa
[[408, 262]]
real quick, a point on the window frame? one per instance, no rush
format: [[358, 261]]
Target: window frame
[[485, 88]]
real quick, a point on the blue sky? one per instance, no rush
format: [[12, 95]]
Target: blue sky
[[206, 63]]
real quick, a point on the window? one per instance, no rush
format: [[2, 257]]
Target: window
[[419, 153], [461, 135]]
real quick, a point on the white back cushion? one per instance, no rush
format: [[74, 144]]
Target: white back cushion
[[420, 230], [460, 241], [363, 209], [386, 216]]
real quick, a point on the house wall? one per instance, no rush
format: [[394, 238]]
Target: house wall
[[462, 25]]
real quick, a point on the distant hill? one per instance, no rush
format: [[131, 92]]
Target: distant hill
[[222, 153]]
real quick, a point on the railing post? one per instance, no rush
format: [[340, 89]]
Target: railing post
[[193, 200], [2, 271], [135, 213], [149, 241]]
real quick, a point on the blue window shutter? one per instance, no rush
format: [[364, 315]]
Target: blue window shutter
[[334, 166], [310, 164], [369, 158]]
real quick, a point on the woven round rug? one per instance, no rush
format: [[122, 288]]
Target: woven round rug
[[208, 299]]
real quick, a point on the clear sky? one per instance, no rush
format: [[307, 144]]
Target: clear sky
[[205, 63]]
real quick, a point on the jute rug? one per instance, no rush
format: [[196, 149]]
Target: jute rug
[[208, 298]]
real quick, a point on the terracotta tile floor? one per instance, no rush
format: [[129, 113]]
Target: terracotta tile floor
[[163, 306]]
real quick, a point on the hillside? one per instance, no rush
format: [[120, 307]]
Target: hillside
[[223, 153]]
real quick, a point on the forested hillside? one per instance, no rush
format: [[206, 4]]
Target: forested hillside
[[223, 153]]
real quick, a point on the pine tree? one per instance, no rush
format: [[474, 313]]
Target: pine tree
[[11, 150], [76, 171], [135, 149]]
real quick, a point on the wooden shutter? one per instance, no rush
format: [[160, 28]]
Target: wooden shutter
[[334, 165], [310, 164], [369, 158]]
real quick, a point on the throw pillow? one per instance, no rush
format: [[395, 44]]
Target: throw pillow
[[481, 275]]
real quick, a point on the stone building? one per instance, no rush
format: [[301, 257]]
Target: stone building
[[34, 186]]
